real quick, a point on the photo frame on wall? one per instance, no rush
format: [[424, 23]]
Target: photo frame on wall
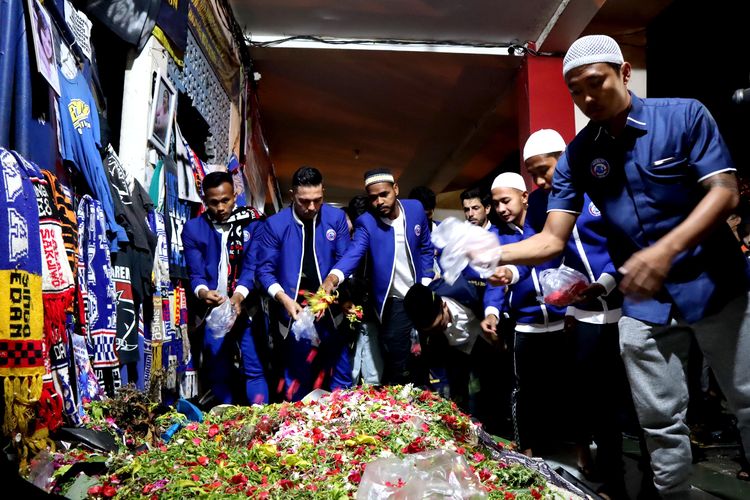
[[161, 116], [44, 44]]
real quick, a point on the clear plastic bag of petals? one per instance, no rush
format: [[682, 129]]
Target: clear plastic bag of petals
[[562, 286], [429, 474], [221, 319], [465, 244], [304, 327]]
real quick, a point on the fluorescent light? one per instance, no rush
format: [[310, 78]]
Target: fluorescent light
[[375, 44]]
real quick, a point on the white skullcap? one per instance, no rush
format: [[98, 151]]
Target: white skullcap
[[592, 49], [379, 175], [509, 180], [543, 142]]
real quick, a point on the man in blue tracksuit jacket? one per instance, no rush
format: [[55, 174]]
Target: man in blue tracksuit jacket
[[540, 342], [298, 246], [494, 366], [219, 250], [397, 237], [598, 371], [663, 178]]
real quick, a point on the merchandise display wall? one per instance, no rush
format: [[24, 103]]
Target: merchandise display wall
[[199, 81]]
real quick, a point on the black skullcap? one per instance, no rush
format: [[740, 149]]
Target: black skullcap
[[422, 305]]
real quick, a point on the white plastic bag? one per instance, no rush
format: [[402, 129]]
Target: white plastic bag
[[304, 327], [221, 319], [562, 286], [465, 244], [429, 474]]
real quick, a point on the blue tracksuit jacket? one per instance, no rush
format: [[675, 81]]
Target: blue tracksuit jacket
[[523, 300], [202, 246], [281, 243], [586, 250], [378, 238]]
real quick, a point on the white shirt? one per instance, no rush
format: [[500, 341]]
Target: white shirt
[[403, 274], [464, 327], [221, 287]]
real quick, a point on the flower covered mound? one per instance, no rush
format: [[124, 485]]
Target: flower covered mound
[[314, 449]]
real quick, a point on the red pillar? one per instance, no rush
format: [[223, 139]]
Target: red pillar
[[543, 101]]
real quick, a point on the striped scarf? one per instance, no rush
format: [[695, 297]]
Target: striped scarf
[[161, 330], [22, 325], [186, 371], [238, 221], [58, 281], [68, 221], [98, 292], [57, 297]]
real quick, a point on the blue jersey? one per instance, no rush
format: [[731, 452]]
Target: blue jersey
[[79, 138], [646, 182]]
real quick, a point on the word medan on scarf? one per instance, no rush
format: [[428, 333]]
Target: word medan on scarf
[[20, 305]]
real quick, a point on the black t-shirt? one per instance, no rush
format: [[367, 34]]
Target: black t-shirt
[[309, 280]]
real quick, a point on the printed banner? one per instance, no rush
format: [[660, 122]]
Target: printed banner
[[209, 22], [173, 21]]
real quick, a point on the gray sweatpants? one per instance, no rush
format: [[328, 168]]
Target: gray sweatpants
[[655, 358]]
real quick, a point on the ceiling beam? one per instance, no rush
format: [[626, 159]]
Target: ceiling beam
[[438, 47], [567, 24]]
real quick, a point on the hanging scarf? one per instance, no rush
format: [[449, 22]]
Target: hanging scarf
[[22, 325], [127, 320], [177, 213], [235, 168], [57, 276], [147, 357], [188, 377], [68, 221], [89, 388], [60, 372], [199, 171], [185, 178], [57, 298], [161, 330], [239, 220], [98, 292]]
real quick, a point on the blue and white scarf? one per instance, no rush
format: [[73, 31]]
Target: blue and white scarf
[[98, 292]]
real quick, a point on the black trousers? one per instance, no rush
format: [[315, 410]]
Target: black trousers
[[542, 364], [493, 367], [400, 366], [600, 391]]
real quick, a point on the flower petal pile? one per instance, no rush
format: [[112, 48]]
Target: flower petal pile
[[317, 448]]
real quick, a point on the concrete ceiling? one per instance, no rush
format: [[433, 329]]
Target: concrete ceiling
[[440, 119], [486, 21]]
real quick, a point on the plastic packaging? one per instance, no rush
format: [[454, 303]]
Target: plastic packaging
[[430, 474], [562, 286], [221, 319], [304, 327], [42, 469], [465, 244]]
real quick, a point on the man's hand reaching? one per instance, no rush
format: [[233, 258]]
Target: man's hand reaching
[[291, 305], [591, 292], [236, 301], [211, 297], [502, 276], [330, 283], [644, 272]]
